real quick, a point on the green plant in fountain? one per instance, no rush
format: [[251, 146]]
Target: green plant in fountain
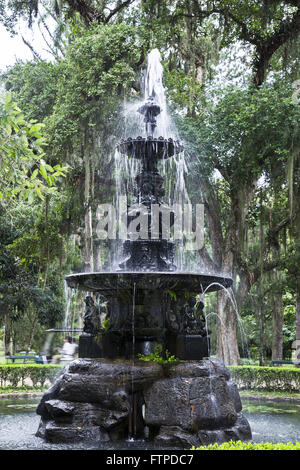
[[158, 357], [106, 324]]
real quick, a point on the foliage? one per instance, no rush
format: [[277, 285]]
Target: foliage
[[239, 445], [264, 26], [76, 99], [35, 86], [23, 168], [31, 294], [231, 137], [158, 357], [88, 11], [266, 378], [16, 375], [98, 67]]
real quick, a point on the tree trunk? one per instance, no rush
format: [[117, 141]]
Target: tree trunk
[[47, 240], [31, 334], [227, 343], [297, 357], [88, 264], [277, 327], [5, 333], [260, 315]]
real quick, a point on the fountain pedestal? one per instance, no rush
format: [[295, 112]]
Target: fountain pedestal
[[188, 347], [99, 401], [143, 309]]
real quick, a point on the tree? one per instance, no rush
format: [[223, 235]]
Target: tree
[[100, 12], [264, 26], [231, 139], [267, 29]]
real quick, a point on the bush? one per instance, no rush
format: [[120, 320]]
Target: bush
[[239, 445], [15, 374], [157, 357], [272, 379]]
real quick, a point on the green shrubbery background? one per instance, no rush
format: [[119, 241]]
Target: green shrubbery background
[[239, 445], [272, 379], [15, 375]]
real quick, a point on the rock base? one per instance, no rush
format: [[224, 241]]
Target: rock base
[[189, 404]]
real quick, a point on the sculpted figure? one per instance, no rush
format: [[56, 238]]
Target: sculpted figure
[[91, 319]]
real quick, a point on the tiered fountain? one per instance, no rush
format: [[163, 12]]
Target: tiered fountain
[[110, 395]]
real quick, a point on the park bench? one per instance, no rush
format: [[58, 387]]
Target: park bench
[[19, 357], [295, 363]]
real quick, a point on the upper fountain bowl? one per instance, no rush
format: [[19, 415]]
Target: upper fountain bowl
[[141, 147], [105, 282]]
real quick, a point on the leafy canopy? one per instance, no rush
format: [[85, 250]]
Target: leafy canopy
[[23, 168]]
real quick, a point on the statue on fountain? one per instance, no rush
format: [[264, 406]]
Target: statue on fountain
[[92, 318], [150, 110]]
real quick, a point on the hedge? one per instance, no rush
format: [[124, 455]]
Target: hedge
[[271, 379], [286, 379], [15, 374], [239, 445]]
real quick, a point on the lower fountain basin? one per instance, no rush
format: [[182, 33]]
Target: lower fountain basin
[[123, 280]]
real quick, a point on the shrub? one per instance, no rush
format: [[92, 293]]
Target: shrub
[[157, 357], [239, 445], [15, 374], [272, 379]]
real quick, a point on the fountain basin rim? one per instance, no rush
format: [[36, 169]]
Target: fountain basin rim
[[101, 281]]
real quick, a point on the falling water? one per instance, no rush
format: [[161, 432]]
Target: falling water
[[126, 170], [133, 323], [172, 169], [232, 299], [68, 310], [132, 417]]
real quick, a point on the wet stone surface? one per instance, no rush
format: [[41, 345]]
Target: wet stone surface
[[191, 403]]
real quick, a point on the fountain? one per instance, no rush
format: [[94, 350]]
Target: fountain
[[108, 394]]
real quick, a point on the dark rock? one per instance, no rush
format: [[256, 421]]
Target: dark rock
[[191, 403], [235, 396], [58, 433], [89, 414], [106, 380], [50, 394], [167, 403], [188, 369], [243, 428], [59, 409], [41, 429], [207, 437], [175, 436], [217, 367]]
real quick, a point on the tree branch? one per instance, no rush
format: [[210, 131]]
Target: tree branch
[[27, 43], [117, 9], [267, 47], [274, 231]]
